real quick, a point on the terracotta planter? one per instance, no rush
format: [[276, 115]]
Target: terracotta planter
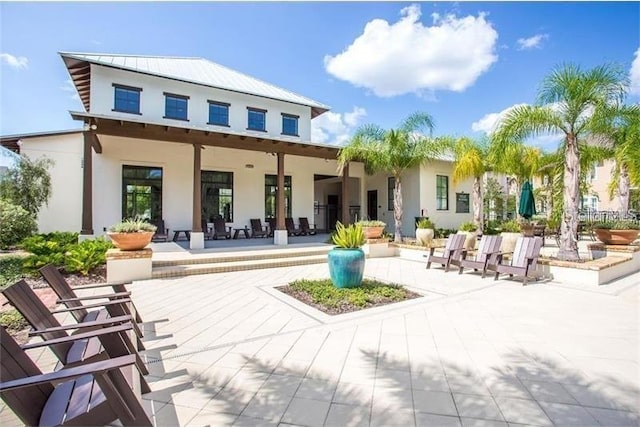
[[424, 236], [616, 237], [131, 241], [372, 232], [509, 241], [470, 240]]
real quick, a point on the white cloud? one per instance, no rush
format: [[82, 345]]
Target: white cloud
[[69, 87], [487, 124], [532, 42], [409, 57], [17, 62], [634, 74], [336, 128]]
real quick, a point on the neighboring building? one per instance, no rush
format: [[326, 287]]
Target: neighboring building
[[185, 139]]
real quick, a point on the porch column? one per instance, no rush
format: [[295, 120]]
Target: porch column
[[87, 185], [197, 236], [345, 194], [280, 234]]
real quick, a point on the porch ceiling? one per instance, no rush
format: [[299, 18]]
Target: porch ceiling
[[186, 135]]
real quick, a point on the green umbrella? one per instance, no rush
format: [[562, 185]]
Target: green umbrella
[[527, 207]]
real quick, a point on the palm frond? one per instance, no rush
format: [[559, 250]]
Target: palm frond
[[526, 121]]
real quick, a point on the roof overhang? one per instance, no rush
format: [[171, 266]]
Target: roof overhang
[[12, 142], [115, 126], [80, 72]]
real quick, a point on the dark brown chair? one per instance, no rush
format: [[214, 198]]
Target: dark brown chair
[[451, 254], [539, 231], [92, 394], [523, 260], [291, 227], [162, 233], [208, 233], [45, 324], [486, 257], [220, 229], [69, 298], [272, 225], [305, 227], [257, 229]]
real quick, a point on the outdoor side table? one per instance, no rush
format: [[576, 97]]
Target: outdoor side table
[[245, 230], [176, 234]]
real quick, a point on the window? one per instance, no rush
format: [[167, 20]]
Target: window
[[592, 174], [175, 106], [462, 202], [442, 192], [391, 185], [126, 99], [270, 190], [142, 192], [217, 195], [590, 203], [218, 113], [289, 124], [257, 119]]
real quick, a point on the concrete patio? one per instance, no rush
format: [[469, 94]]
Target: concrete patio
[[228, 349]]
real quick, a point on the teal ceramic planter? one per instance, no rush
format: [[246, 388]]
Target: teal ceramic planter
[[346, 267]]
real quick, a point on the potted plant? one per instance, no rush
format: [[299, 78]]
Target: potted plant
[[425, 231], [471, 230], [510, 231], [346, 260], [131, 234], [616, 232], [372, 229]]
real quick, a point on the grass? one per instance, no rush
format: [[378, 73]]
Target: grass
[[322, 295]]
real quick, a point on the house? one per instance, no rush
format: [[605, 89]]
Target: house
[[185, 140]]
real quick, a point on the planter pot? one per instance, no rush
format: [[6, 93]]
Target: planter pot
[[470, 240], [616, 237], [131, 241], [509, 241], [424, 236], [372, 232], [346, 267]]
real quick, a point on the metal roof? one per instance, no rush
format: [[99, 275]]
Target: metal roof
[[193, 70]]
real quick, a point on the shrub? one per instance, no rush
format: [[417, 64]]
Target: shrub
[[12, 320], [15, 224], [371, 223], [511, 226], [133, 225], [617, 225], [443, 233], [426, 223], [10, 270], [348, 237], [47, 248], [468, 226], [86, 256]]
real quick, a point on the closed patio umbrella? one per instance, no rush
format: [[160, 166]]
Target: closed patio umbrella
[[527, 207]]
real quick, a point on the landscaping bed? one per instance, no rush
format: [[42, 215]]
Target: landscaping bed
[[322, 295]]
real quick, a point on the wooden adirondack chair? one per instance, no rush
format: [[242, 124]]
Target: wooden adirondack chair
[[162, 233], [69, 298], [257, 229], [451, 254], [45, 324], [92, 394], [272, 225], [220, 229], [305, 227], [291, 227], [486, 256], [524, 259]]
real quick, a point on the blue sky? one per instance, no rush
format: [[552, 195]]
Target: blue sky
[[464, 62]]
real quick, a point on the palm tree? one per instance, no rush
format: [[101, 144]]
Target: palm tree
[[568, 99], [393, 151], [471, 161]]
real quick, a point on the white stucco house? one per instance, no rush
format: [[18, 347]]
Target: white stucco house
[[186, 139]]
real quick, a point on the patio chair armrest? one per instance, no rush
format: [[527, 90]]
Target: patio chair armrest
[[84, 325], [90, 297], [99, 285], [70, 373], [82, 336], [96, 305]]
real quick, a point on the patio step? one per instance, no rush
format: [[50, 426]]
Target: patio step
[[188, 269], [243, 255]]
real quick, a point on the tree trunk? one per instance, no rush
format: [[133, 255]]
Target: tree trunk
[[518, 193], [505, 210], [624, 186], [397, 210], [477, 203], [569, 224]]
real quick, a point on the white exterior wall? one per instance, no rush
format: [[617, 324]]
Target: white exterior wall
[[152, 104], [443, 218], [64, 210]]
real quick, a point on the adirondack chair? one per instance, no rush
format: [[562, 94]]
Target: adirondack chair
[[69, 298], [220, 229], [272, 225], [451, 254], [305, 227], [291, 227], [524, 259], [257, 229], [92, 394], [45, 324], [486, 256], [208, 233], [162, 233]]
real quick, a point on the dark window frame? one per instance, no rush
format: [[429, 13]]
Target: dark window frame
[[296, 119], [130, 180], [459, 204], [177, 97], [270, 181], [264, 119], [391, 186], [439, 196], [116, 88], [218, 104], [211, 178]]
